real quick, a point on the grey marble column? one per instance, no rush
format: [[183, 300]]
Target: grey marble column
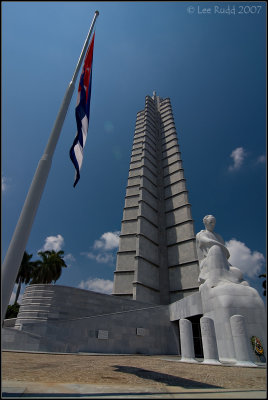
[[187, 342], [210, 348], [240, 339]]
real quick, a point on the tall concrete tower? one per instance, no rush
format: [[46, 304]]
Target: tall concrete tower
[[156, 261]]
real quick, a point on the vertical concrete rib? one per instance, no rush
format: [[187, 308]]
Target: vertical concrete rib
[[156, 261], [126, 256], [162, 251], [180, 238], [146, 283]]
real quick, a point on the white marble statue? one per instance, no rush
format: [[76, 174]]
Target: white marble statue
[[213, 256], [225, 294]]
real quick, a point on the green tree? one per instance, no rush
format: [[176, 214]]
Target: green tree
[[50, 267], [263, 283], [25, 273], [12, 311]]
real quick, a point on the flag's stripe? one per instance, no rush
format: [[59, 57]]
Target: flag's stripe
[[89, 92], [78, 151], [89, 71], [82, 111], [75, 163]]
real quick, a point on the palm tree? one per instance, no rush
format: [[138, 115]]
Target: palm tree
[[50, 267], [25, 273], [263, 283]]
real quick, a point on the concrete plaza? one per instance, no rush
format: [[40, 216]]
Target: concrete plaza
[[33, 375]]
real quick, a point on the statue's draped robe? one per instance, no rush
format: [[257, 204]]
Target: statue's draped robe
[[213, 260]]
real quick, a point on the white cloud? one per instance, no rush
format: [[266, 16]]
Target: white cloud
[[261, 159], [69, 258], [238, 155], [4, 183], [104, 248], [107, 241], [97, 285], [89, 255], [249, 262], [53, 243], [103, 258]]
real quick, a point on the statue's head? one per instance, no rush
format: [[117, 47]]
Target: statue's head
[[209, 222]]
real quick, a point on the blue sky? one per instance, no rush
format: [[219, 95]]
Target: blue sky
[[213, 68]]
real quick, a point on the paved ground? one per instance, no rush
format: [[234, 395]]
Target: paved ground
[[43, 375]]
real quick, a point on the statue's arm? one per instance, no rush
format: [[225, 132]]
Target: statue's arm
[[206, 242]]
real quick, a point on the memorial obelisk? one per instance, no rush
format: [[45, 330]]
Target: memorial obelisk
[[157, 261]]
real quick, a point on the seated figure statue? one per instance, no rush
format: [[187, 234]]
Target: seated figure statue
[[213, 255], [224, 294]]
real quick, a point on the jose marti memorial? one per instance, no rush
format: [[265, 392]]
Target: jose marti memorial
[[174, 292]]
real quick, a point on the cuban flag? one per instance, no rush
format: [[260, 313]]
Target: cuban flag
[[82, 111]]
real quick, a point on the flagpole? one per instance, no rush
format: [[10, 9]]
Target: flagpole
[[22, 231]]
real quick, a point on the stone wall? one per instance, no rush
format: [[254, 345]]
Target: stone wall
[[63, 319]]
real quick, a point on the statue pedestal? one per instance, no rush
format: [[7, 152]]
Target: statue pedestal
[[222, 302]]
